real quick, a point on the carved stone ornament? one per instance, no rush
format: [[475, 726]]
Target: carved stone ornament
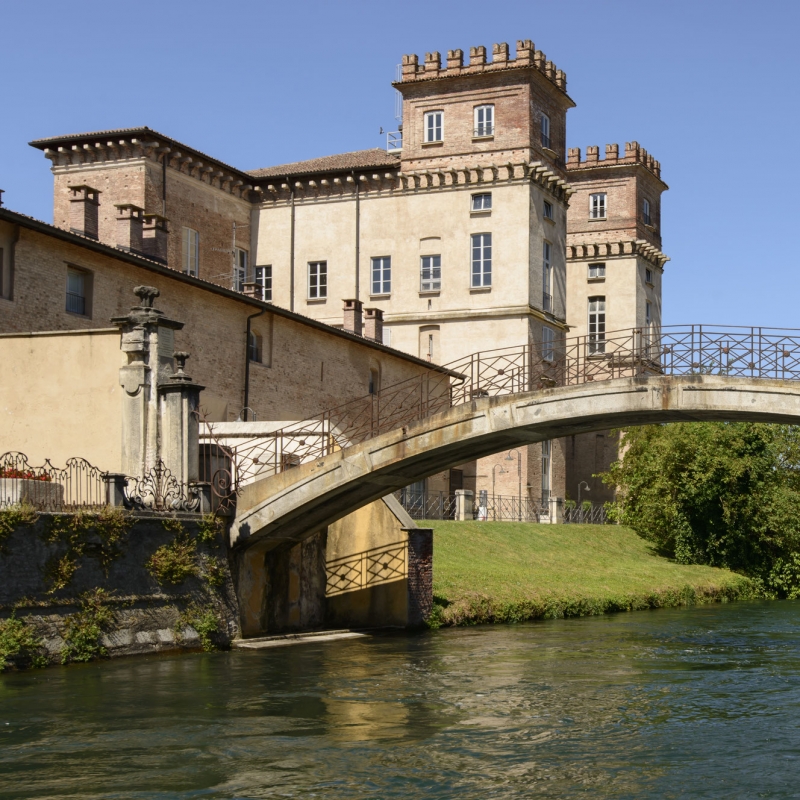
[[146, 295]]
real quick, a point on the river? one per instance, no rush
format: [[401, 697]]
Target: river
[[700, 702]]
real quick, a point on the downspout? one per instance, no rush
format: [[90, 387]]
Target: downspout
[[246, 408], [358, 234], [291, 248]]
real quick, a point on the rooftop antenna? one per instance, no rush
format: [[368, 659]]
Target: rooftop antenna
[[232, 251]]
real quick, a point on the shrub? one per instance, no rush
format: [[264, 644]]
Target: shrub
[[173, 563], [82, 630], [18, 639]]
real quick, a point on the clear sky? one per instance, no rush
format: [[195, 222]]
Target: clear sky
[[709, 87]]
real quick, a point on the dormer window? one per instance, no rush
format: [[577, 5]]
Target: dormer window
[[597, 206], [434, 126], [484, 121], [545, 128]]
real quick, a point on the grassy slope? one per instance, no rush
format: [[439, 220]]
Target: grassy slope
[[508, 571]]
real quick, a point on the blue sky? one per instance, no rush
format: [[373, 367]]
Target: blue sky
[[710, 88]]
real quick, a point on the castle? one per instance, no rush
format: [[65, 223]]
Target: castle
[[474, 230]]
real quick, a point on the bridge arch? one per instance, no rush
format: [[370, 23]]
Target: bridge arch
[[287, 507]]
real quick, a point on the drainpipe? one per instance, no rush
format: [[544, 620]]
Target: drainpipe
[[358, 234], [246, 408], [291, 248]]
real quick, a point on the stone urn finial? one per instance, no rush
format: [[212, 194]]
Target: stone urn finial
[[179, 375], [146, 295]]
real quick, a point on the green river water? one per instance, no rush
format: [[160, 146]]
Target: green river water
[[701, 702]]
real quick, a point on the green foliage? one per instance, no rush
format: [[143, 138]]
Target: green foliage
[[173, 525], [209, 529], [82, 630], [204, 620], [722, 494], [20, 515], [96, 533], [173, 563], [19, 640], [214, 572]]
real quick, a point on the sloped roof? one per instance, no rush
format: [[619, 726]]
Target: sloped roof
[[342, 162]]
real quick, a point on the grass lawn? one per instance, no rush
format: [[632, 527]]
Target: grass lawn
[[510, 571]]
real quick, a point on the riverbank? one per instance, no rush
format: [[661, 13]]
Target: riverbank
[[512, 572]]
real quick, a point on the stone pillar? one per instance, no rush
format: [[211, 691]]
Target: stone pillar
[[353, 316], [179, 439], [148, 342], [129, 228], [155, 237], [420, 575], [464, 505], [556, 510], [83, 205]]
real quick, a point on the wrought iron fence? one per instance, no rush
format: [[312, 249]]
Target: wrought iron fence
[[594, 513], [694, 350], [428, 505], [78, 485], [368, 568], [511, 508]]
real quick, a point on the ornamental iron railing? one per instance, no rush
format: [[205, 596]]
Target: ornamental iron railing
[[368, 568], [428, 505], [755, 353], [509, 509], [587, 513]]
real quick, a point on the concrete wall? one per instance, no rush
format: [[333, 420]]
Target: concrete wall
[[60, 396]]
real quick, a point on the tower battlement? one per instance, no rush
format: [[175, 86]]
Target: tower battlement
[[526, 57], [634, 154]]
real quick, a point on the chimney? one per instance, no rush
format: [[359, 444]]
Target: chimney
[[353, 310], [83, 204], [155, 236], [129, 227], [373, 324], [253, 289]]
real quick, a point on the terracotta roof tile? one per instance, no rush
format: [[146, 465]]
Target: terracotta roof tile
[[360, 159]]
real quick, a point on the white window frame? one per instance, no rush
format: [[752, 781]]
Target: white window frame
[[480, 260], [598, 205], [597, 325], [547, 209], [547, 276], [240, 258], [544, 128], [263, 277], [646, 212], [381, 275], [433, 126], [597, 270], [483, 121], [482, 201], [317, 280], [430, 273], [190, 251], [548, 344]]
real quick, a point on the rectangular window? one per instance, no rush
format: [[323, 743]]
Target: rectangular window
[[78, 292], [597, 206], [263, 277], [648, 276], [548, 343], [547, 277], [254, 347], [484, 121], [191, 251], [317, 280], [482, 202], [597, 325], [239, 269], [548, 210], [646, 212], [597, 271], [648, 313], [545, 126], [430, 277], [382, 275], [434, 126], [481, 260], [547, 452]]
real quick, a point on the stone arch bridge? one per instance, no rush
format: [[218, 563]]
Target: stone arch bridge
[[309, 474]]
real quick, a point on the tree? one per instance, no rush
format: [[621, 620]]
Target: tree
[[723, 494]]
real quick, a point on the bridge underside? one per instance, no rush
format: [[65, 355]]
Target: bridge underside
[[288, 507]]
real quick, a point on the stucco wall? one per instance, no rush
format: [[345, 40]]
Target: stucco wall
[[60, 396]]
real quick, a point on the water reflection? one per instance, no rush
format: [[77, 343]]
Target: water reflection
[[701, 702]]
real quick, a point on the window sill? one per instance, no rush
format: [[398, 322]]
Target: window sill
[[315, 301], [487, 213], [429, 292], [76, 314], [550, 220], [488, 138], [650, 284], [479, 289], [596, 280], [437, 143], [598, 219], [385, 296], [548, 152]]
